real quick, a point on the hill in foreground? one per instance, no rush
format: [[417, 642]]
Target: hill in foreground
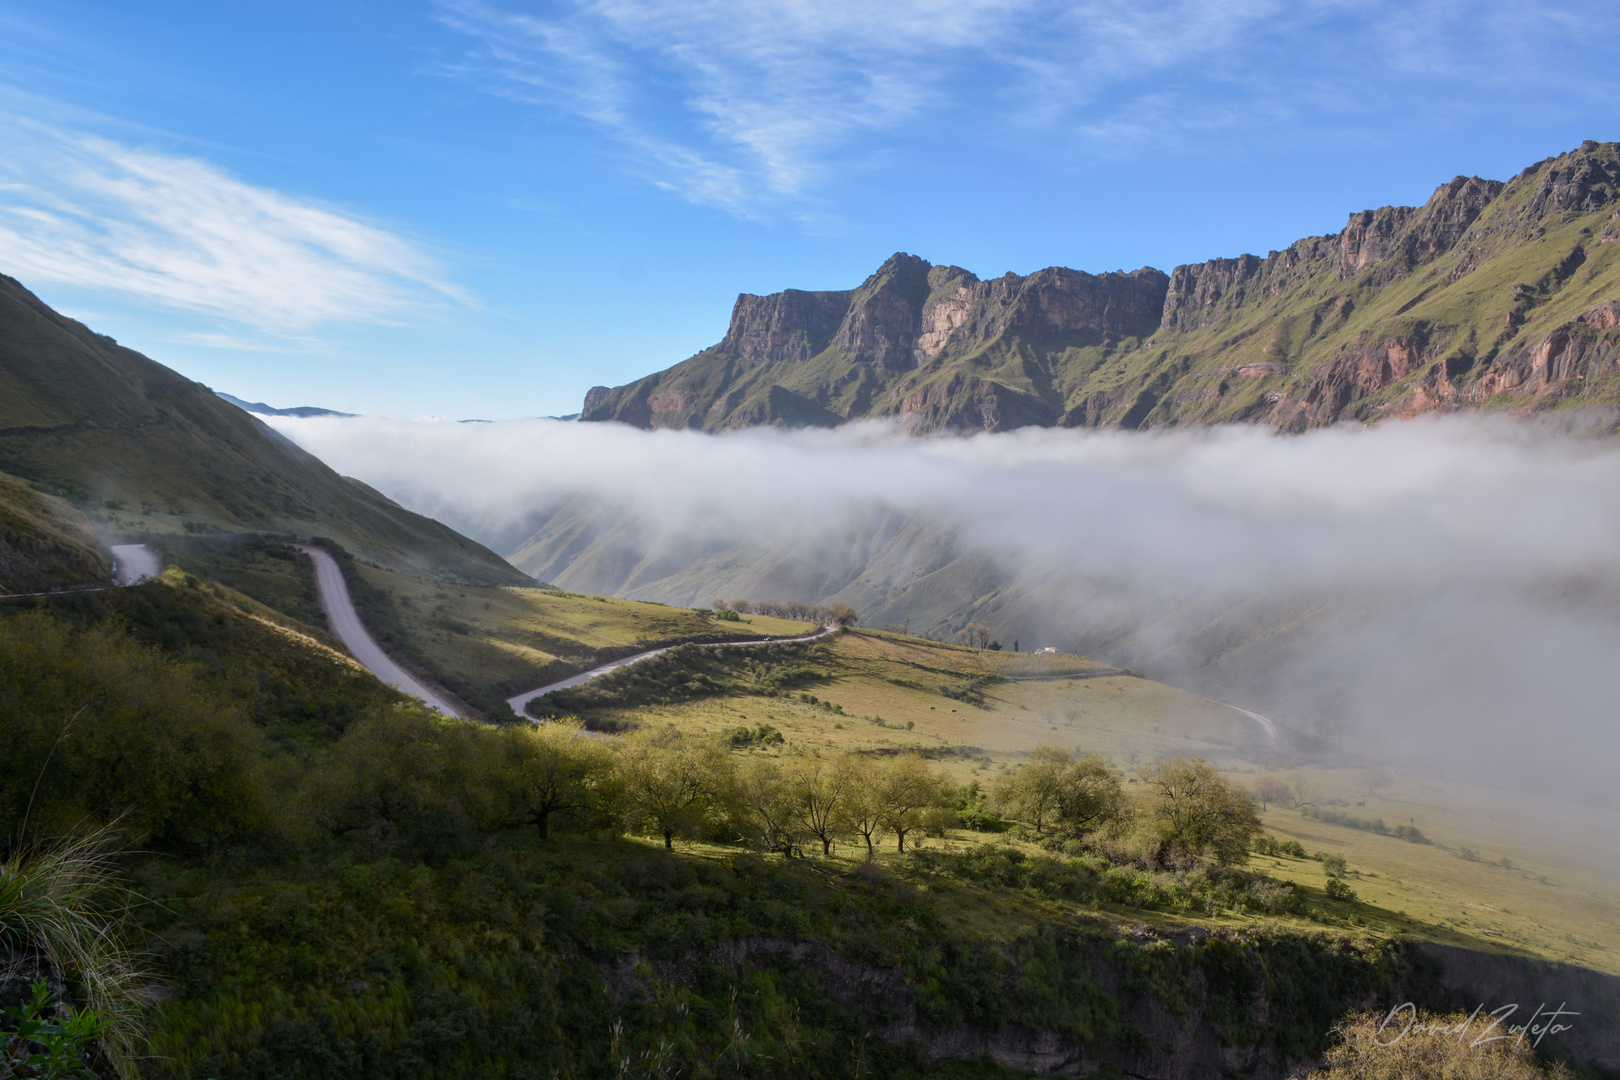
[[347, 887], [142, 449], [1490, 295]]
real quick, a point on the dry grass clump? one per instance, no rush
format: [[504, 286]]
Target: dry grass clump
[[1431, 1046], [63, 899]]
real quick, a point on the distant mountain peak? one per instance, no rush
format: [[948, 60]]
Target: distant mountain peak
[[262, 409]]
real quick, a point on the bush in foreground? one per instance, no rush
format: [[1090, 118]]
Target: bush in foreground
[[1407, 1045]]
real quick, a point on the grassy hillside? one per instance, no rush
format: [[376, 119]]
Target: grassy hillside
[[341, 885], [1489, 879], [481, 643], [1491, 295], [489, 643], [45, 543], [141, 449]]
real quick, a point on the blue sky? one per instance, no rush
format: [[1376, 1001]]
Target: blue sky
[[484, 207]]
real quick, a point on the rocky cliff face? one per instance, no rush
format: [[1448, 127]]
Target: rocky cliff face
[[786, 326], [1489, 294], [963, 314]]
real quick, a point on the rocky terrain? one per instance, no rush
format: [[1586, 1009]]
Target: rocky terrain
[[1490, 295]]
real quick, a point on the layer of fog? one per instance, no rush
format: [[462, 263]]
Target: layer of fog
[[1442, 589]]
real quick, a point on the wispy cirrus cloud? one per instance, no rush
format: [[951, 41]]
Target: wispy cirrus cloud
[[86, 211], [751, 105], [733, 104]]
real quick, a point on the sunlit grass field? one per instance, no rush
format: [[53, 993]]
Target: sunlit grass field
[[495, 632], [1556, 897]]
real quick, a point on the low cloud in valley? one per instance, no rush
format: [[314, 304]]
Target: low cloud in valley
[[1443, 590]]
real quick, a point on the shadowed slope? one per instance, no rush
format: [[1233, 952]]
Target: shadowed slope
[[114, 431]]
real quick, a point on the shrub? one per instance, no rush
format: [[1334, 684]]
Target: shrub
[[101, 728], [1374, 1046], [35, 1044], [763, 735]]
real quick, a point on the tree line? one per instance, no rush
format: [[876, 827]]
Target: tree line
[[837, 614], [666, 784]]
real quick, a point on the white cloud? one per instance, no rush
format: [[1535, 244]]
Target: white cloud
[[765, 90], [85, 211], [754, 104], [1437, 588]]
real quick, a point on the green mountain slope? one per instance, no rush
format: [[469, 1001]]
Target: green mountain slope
[[147, 450], [1490, 295], [44, 543]]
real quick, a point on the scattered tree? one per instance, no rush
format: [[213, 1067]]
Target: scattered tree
[[821, 795], [673, 786], [765, 798], [1272, 789], [863, 809], [1195, 812], [906, 787], [1090, 796], [1030, 793], [1075, 795], [1375, 779], [974, 635], [558, 769]]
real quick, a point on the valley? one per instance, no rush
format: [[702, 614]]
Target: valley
[[326, 825]]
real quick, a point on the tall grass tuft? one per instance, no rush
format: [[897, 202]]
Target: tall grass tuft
[[64, 899]]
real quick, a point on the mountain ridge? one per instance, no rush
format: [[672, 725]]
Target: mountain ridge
[[1493, 294], [140, 448]]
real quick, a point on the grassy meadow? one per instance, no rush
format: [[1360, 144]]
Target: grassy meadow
[[978, 714]]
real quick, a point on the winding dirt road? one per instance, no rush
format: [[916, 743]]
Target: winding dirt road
[[521, 701], [346, 624], [1267, 726]]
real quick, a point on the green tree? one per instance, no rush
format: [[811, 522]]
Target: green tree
[[821, 795], [906, 788], [673, 786], [557, 769], [1089, 795], [1031, 793], [97, 727], [1195, 813], [766, 800], [864, 809]]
